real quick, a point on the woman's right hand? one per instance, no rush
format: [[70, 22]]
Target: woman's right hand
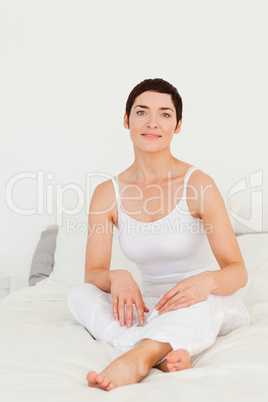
[[125, 291]]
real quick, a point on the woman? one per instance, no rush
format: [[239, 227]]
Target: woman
[[173, 224]]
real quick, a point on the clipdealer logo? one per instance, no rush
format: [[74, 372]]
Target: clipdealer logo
[[50, 197], [255, 190]]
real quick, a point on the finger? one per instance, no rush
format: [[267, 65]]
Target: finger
[[115, 309], [172, 302], [169, 303], [146, 309], [121, 311], [166, 297], [178, 298], [185, 304], [129, 314], [176, 306], [140, 309]]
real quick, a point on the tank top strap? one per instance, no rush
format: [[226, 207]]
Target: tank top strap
[[186, 178], [115, 181], [116, 190]]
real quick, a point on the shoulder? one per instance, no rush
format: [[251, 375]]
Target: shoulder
[[103, 198], [198, 177], [203, 193]]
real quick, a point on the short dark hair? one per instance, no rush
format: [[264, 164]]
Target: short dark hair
[[157, 85]]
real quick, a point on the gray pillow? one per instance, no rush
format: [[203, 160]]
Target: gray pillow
[[43, 259]]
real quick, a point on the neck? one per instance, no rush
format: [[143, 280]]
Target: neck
[[150, 167]]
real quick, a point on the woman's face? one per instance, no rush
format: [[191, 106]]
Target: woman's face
[[152, 113]]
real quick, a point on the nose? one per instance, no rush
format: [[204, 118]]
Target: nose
[[152, 121]]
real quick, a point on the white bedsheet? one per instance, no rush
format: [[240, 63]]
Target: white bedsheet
[[45, 355]]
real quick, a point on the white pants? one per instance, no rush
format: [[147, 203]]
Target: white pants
[[193, 328]]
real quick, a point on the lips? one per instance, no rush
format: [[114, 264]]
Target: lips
[[151, 135]]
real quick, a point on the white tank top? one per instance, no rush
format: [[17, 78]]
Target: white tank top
[[167, 250]]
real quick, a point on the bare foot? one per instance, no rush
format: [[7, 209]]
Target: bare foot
[[176, 360], [92, 380], [126, 369]]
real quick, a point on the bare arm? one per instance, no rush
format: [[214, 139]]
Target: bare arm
[[119, 283], [232, 276], [99, 242]]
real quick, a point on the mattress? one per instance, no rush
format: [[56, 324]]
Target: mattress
[[46, 354]]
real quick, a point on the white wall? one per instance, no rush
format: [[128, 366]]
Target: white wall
[[67, 68]]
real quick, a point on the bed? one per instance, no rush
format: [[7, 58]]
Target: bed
[[46, 354]]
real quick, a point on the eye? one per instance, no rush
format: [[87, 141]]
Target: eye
[[142, 111]]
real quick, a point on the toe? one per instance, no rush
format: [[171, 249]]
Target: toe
[[91, 377], [179, 366], [174, 356], [105, 383], [110, 387], [171, 366], [102, 382], [99, 379]]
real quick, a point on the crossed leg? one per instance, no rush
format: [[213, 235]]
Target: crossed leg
[[93, 309], [176, 360], [135, 364]]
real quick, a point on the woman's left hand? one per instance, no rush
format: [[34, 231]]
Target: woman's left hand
[[186, 293]]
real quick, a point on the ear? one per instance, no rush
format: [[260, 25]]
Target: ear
[[126, 121], [178, 128]]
